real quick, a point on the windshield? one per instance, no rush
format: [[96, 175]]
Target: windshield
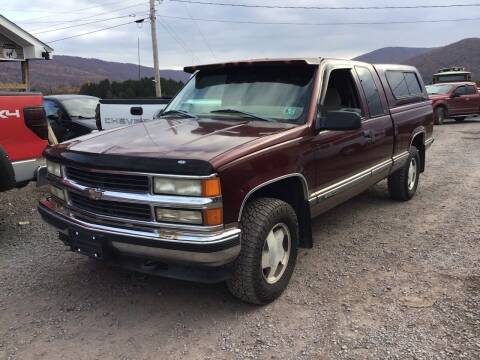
[[278, 93], [438, 89], [81, 107]]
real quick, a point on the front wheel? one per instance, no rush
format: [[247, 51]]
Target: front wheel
[[403, 183], [269, 251], [440, 115]]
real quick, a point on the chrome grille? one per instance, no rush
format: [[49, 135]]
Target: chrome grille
[[112, 208], [108, 181]]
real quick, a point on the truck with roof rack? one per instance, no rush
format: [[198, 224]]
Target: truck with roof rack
[[223, 185], [452, 74]]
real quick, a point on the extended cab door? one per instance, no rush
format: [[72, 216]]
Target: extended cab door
[[377, 124], [463, 100], [344, 160]]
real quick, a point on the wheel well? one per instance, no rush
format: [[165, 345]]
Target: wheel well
[[7, 180], [419, 142], [442, 106], [292, 191]]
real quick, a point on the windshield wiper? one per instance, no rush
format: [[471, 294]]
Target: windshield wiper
[[233, 111], [178, 112]]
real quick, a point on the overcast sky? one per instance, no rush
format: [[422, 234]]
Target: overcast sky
[[230, 41]]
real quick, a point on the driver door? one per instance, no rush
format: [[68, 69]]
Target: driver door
[[459, 102], [343, 159]]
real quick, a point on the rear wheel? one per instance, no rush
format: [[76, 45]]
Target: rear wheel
[[402, 184], [440, 115], [269, 251]]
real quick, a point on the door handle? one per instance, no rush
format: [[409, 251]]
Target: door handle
[[367, 134], [136, 110]]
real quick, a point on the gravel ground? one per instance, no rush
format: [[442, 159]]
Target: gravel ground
[[385, 280]]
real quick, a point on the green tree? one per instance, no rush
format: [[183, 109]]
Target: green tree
[[142, 88]]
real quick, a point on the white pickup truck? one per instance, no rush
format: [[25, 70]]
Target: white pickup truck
[[113, 113]]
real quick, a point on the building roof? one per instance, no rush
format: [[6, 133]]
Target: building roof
[[33, 48]]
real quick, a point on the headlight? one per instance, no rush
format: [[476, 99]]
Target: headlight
[[186, 187], [57, 192], [54, 169], [179, 216]]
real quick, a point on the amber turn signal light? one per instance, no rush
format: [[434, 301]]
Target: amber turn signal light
[[212, 217], [211, 187]]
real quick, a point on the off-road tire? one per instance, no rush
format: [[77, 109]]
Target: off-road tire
[[398, 181], [259, 217], [440, 115]]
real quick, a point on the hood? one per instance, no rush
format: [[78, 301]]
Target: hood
[[200, 139]]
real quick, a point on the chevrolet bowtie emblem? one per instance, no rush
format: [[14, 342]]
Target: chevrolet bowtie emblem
[[94, 194]]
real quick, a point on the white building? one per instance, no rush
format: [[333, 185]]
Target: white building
[[20, 46]]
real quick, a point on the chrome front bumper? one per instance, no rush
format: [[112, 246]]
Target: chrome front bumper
[[170, 246]]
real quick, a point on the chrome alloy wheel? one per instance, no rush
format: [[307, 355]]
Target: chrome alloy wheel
[[412, 173], [276, 253]]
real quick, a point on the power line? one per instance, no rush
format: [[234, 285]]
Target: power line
[[65, 12], [85, 9], [83, 24], [177, 39], [423, 6], [322, 24], [98, 30], [200, 32]]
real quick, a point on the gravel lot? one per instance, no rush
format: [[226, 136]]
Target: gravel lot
[[384, 280]]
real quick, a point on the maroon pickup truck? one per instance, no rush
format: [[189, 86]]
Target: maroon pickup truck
[[456, 100], [224, 184]]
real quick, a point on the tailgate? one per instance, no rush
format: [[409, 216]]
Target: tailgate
[[117, 113]]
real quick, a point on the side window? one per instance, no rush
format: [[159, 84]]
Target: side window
[[51, 108], [397, 83], [461, 90], [413, 85], [370, 89], [403, 84], [471, 90], [342, 93]]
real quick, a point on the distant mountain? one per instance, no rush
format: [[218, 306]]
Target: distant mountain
[[72, 71], [388, 55], [464, 53]]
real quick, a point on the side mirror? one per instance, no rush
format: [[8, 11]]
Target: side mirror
[[340, 120], [455, 95], [53, 117]]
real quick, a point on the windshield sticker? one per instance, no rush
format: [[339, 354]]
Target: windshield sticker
[[290, 111]]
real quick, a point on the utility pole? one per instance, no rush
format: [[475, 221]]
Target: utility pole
[[153, 23], [138, 52]]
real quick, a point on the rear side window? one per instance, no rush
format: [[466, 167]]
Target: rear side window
[[412, 83], [370, 89], [404, 84]]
